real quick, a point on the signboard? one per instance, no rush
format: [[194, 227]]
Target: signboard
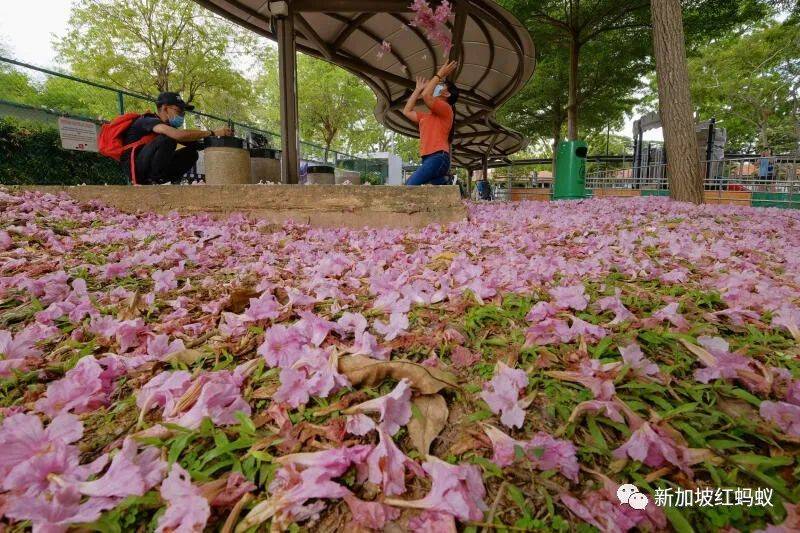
[[77, 134]]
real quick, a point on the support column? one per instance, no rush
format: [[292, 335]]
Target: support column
[[287, 67], [469, 182]]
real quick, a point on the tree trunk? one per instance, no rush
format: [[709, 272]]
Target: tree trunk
[[675, 102], [572, 107]]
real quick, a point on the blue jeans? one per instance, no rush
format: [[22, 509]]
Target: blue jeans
[[433, 170]]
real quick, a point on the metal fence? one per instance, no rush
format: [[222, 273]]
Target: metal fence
[[112, 101], [749, 180]]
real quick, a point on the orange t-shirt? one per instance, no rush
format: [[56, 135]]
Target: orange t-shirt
[[434, 128]]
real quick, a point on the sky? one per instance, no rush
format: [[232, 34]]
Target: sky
[[27, 28]]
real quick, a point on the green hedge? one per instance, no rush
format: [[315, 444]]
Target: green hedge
[[31, 154]]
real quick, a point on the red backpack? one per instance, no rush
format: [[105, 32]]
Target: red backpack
[[109, 143]]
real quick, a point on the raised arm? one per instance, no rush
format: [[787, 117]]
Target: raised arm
[[444, 71], [408, 110]]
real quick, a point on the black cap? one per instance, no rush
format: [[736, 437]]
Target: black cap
[[172, 99]]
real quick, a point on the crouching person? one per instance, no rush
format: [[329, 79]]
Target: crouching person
[[146, 146]]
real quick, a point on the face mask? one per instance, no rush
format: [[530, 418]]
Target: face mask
[[176, 121], [438, 90]]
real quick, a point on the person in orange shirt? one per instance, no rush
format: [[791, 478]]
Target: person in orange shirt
[[436, 127]]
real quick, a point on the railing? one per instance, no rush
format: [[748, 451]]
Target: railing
[[119, 100], [760, 181]]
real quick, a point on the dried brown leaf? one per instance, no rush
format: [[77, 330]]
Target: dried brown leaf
[[240, 299], [362, 370], [423, 429]]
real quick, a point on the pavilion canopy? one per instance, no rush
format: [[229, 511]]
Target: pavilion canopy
[[495, 50]]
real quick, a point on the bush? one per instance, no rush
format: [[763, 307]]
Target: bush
[[31, 154]]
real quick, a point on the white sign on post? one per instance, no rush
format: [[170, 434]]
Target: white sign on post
[[77, 134]]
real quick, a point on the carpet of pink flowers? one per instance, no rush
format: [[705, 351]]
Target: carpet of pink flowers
[[181, 373]]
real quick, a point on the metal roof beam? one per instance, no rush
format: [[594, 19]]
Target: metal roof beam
[[351, 6]]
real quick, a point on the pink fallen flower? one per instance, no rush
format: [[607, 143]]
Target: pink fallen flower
[[5, 241], [265, 307], [17, 352], [784, 415], [455, 489], [791, 523], [128, 334], [315, 373], [220, 398], [615, 305], [609, 407], [594, 375], [236, 486], [398, 324], [463, 357], [367, 344], [543, 451], [570, 297], [187, 509], [655, 448], [670, 313], [582, 329], [371, 515], [55, 510], [131, 473], [541, 311], [394, 408], [281, 346], [314, 328], [159, 346], [354, 322], [386, 465], [359, 424], [601, 509], [84, 388], [163, 390], [720, 363], [502, 392], [305, 476], [164, 281], [548, 331], [635, 359], [432, 522], [788, 317], [23, 438]]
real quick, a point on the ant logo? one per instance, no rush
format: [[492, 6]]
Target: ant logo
[[629, 494]]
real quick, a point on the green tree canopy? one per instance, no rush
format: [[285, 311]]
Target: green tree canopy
[[149, 46], [750, 83], [335, 107]]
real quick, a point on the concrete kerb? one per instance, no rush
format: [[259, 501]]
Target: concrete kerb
[[317, 205]]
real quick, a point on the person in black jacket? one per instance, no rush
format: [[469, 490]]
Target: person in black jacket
[[160, 160]]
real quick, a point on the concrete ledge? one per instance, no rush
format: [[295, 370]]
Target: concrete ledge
[[318, 205]]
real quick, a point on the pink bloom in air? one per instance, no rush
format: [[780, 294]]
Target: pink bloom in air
[[385, 48], [187, 509], [502, 394]]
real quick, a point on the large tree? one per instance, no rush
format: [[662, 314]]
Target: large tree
[[573, 24], [675, 102], [750, 81], [149, 46]]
